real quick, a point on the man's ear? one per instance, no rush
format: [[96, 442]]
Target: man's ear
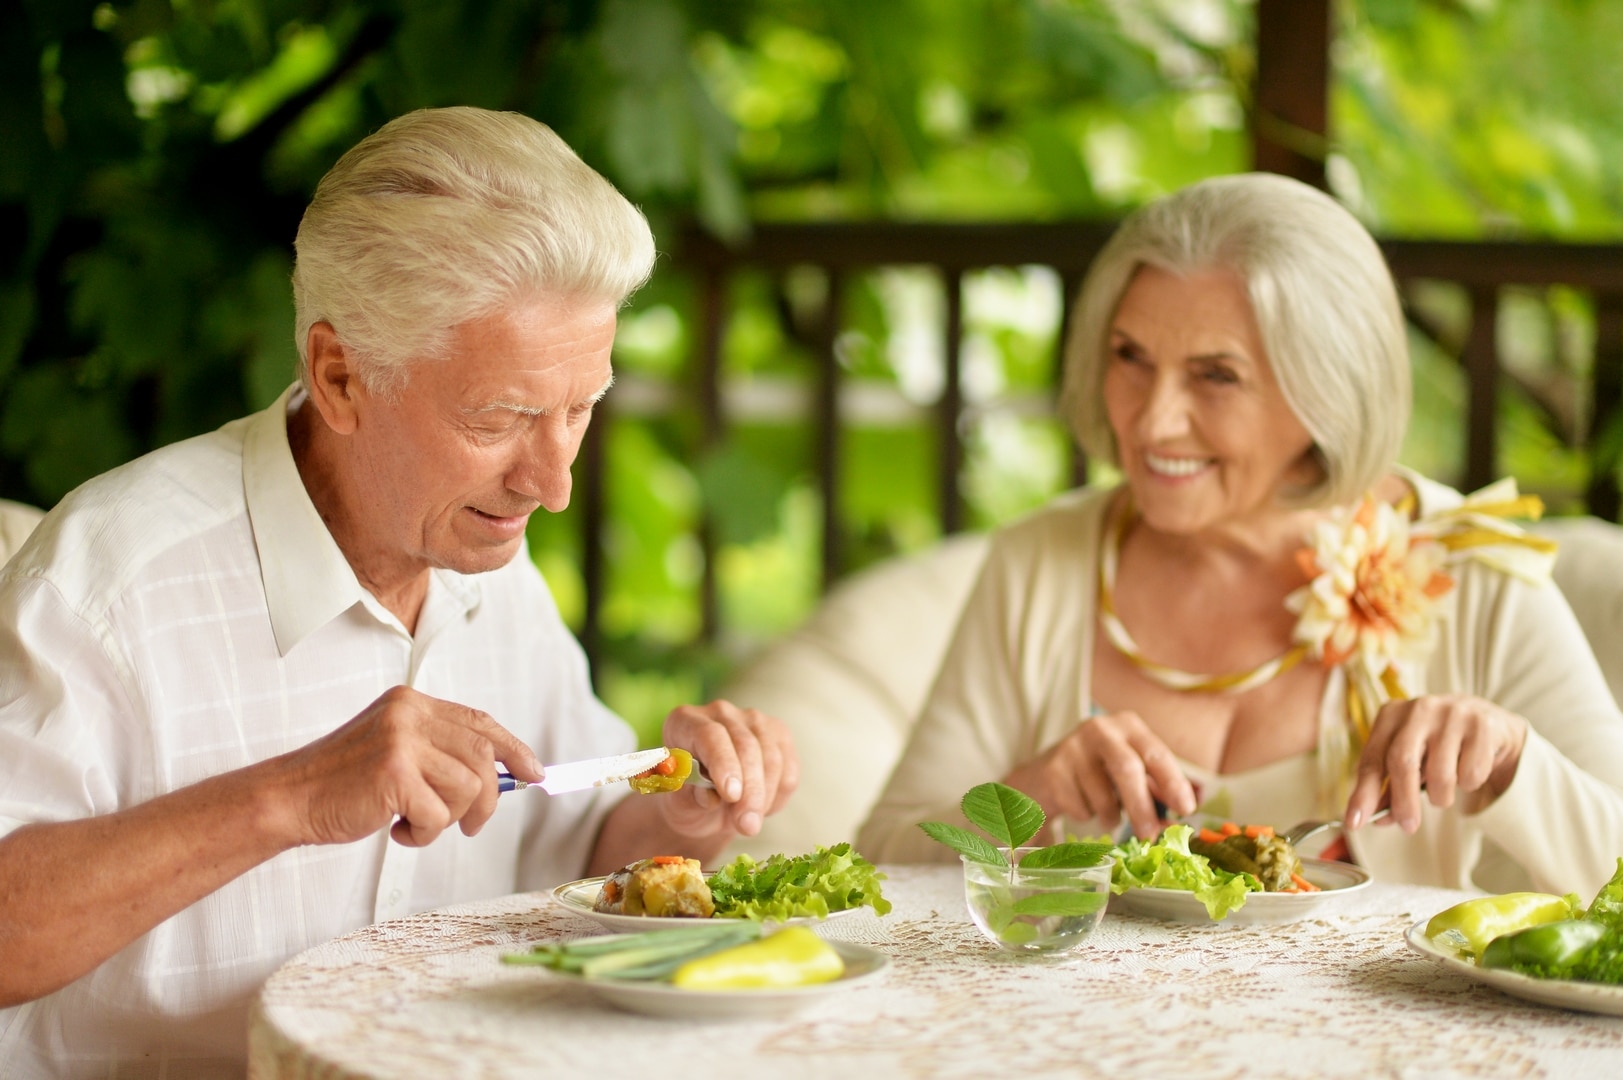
[[335, 388]]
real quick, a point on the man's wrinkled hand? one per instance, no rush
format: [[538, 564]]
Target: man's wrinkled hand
[[408, 759], [749, 757]]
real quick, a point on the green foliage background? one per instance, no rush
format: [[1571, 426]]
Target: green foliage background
[[155, 156]]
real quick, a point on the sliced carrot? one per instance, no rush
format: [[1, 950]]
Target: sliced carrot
[[668, 860], [1210, 836], [1230, 829], [1259, 832], [1303, 884]]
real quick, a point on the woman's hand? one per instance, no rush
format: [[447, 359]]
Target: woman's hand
[[1435, 747], [1108, 764]]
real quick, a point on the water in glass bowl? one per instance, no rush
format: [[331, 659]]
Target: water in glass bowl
[[1036, 911]]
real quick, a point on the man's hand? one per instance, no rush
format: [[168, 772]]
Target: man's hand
[[427, 762], [748, 755]]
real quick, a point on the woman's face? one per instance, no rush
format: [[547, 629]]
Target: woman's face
[[1206, 438]]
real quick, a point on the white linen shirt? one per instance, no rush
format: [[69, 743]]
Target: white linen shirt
[[188, 614]]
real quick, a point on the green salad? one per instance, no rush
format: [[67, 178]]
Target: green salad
[[1588, 948], [1167, 863], [795, 886]]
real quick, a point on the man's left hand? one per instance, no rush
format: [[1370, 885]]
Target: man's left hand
[[748, 755]]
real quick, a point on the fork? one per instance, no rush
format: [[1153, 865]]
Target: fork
[[1302, 830]]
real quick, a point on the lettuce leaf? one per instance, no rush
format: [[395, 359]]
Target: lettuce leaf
[[786, 887], [1608, 905], [1167, 863]]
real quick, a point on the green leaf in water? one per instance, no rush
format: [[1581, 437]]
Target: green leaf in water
[[1059, 903], [1008, 815], [964, 842], [1068, 856]]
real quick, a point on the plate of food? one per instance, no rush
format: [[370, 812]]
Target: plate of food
[[670, 891], [1536, 946], [1563, 993], [654, 998], [1235, 875]]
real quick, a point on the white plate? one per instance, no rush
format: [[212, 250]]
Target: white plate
[[579, 896], [1563, 993], [862, 964], [1334, 879]]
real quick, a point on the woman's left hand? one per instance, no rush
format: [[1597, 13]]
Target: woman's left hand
[[1434, 747]]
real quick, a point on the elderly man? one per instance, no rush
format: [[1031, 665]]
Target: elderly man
[[182, 806]]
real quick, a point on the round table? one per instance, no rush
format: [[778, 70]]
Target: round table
[[1338, 994]]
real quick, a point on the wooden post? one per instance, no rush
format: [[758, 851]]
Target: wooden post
[[1602, 495], [1482, 376], [712, 317], [827, 433], [950, 409], [1291, 99]]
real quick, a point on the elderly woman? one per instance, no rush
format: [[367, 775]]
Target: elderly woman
[[1268, 619]]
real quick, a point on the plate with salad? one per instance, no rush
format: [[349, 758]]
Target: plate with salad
[[1535, 946], [830, 882], [1233, 874]]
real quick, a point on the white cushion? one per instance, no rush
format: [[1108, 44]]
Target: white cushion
[[849, 683], [16, 522], [1589, 570]]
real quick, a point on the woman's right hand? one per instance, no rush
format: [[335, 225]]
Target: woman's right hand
[[1108, 764]]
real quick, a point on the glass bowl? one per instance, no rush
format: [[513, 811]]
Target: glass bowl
[[1036, 911]]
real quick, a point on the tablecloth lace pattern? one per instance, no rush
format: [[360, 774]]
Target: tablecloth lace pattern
[[1338, 995]]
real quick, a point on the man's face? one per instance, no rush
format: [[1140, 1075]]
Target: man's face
[[453, 469]]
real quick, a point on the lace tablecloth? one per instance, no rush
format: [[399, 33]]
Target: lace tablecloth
[[1336, 995]]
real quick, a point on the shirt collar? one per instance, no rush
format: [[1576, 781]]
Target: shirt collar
[[308, 582]]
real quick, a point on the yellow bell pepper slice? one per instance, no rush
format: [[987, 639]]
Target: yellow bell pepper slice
[[1481, 920], [794, 956]]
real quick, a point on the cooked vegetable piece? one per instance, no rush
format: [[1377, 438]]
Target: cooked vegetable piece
[[668, 775], [665, 886], [793, 956], [1477, 922]]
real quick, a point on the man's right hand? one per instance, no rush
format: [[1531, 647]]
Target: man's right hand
[[407, 756]]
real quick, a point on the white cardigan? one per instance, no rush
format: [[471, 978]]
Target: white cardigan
[[1017, 679]]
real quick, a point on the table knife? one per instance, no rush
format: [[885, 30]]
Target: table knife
[[593, 773]]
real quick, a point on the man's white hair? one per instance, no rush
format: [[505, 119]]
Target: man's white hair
[[446, 215], [1324, 302]]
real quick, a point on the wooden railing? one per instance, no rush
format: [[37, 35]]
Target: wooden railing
[[1483, 269]]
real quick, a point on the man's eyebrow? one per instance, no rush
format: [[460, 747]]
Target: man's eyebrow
[[503, 405]]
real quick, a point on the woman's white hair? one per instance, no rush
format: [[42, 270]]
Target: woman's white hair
[[1324, 302], [446, 215]]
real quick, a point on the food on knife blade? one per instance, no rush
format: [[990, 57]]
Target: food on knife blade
[[794, 956], [668, 775], [665, 886]]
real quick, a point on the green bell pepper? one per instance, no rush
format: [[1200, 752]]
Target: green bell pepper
[[1478, 922], [1550, 949]]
